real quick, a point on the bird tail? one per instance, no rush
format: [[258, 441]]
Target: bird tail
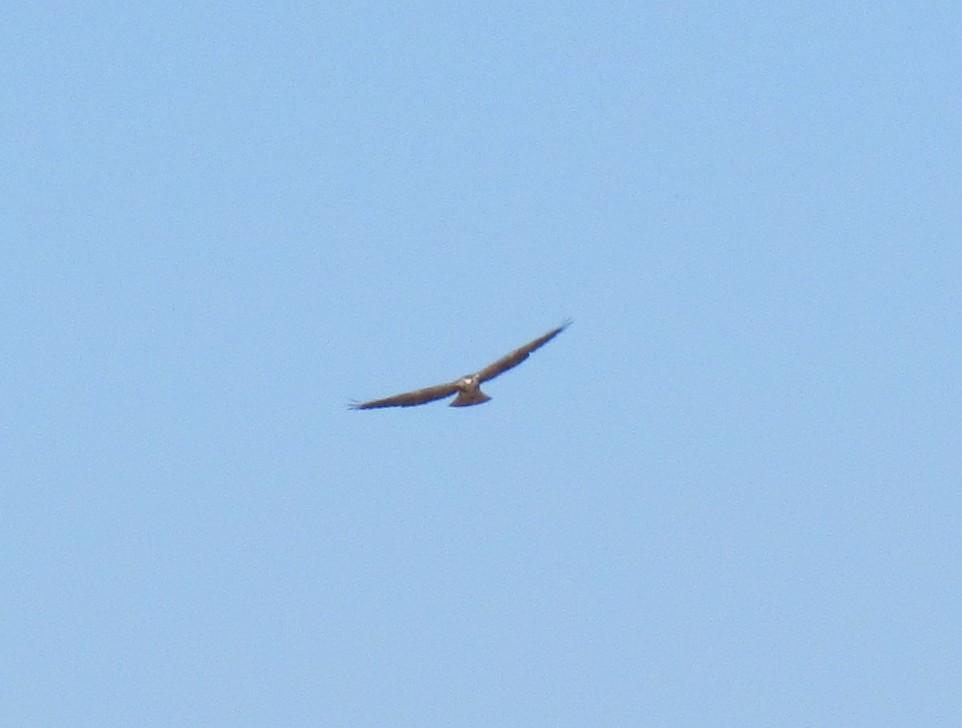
[[466, 399]]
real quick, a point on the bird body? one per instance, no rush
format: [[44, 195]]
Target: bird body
[[468, 388], [469, 392]]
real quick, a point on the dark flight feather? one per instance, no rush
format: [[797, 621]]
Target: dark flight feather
[[409, 399], [510, 361]]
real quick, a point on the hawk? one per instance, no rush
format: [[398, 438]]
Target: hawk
[[468, 388]]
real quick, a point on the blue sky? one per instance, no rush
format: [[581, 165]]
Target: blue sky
[[728, 495]]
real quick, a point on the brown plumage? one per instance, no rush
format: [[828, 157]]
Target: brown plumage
[[468, 387]]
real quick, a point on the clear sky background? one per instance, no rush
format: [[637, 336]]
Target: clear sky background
[[729, 495]]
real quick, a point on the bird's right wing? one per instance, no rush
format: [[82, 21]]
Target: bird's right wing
[[517, 356], [409, 399]]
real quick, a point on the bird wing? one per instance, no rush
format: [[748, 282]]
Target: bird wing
[[518, 355], [409, 399]]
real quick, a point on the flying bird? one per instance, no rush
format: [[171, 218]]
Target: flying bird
[[468, 388]]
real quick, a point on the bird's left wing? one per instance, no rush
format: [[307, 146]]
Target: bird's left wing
[[409, 399], [518, 355]]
